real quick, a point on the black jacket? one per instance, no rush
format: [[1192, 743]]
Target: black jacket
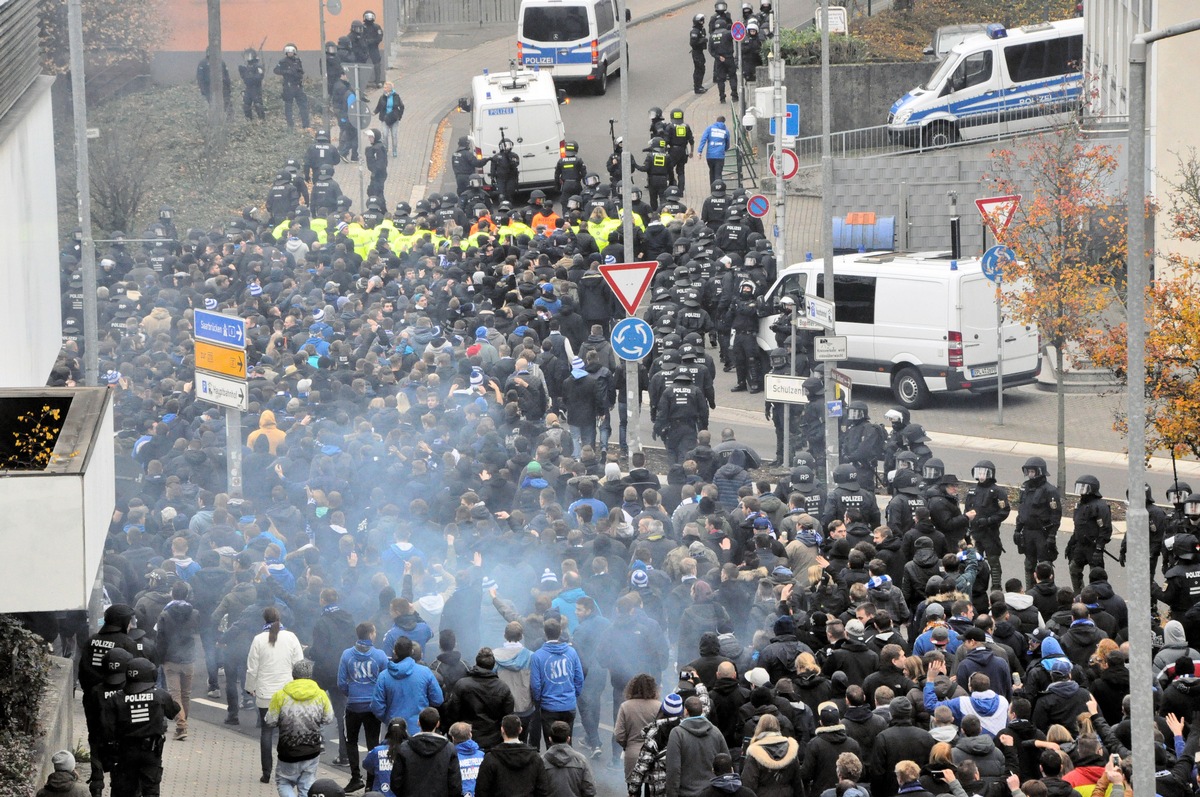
[[333, 632], [727, 699], [863, 725], [481, 699], [1061, 704], [902, 741], [428, 766], [819, 770], [853, 658], [512, 770]]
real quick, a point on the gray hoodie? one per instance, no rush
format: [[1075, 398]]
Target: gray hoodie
[[568, 772], [691, 749], [1174, 647]]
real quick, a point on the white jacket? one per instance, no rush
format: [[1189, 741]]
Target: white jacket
[[269, 667]]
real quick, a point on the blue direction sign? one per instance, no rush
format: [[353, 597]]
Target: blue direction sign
[[632, 338], [227, 330], [738, 31], [994, 261], [791, 121], [833, 409]]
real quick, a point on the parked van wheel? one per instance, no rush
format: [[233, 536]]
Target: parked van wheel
[[939, 134], [600, 84], [908, 386]]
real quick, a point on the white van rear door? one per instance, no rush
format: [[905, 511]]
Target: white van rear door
[[537, 142], [911, 322], [977, 320]]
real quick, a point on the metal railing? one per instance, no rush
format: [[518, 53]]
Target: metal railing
[[448, 13]]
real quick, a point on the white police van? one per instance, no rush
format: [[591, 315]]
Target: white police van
[[573, 40], [521, 108], [913, 323], [994, 83]]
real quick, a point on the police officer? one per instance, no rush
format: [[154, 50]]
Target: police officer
[[372, 37], [344, 102], [1159, 522], [1093, 530], [325, 191], [712, 212], [849, 494], [358, 43], [252, 74], [1039, 514], [804, 482], [751, 52], [946, 514], [733, 234], [698, 42], [900, 513], [570, 171], [742, 317], [811, 429], [321, 153], [204, 81], [658, 125], [464, 163], [989, 502], [720, 47], [657, 167], [680, 144], [682, 413], [931, 475], [136, 717], [292, 167], [103, 747], [776, 410], [282, 198], [291, 69], [1182, 590], [506, 168], [693, 317], [377, 162], [862, 443], [333, 65], [721, 15]]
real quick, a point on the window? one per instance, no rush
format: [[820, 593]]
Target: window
[[555, 23], [790, 285], [1044, 59], [605, 19], [976, 68], [854, 298]]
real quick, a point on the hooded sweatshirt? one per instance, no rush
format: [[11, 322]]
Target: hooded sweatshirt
[[428, 765], [512, 665], [991, 708], [555, 677], [402, 690], [690, 751], [568, 772], [300, 709], [469, 759], [728, 784], [267, 428], [63, 783], [509, 769], [358, 670], [1174, 647]]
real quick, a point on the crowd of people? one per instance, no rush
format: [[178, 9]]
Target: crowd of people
[[441, 551]]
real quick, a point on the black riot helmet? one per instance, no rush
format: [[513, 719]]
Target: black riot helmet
[[322, 136], [1087, 485], [356, 26], [368, 16], [1034, 467], [813, 387], [571, 147], [778, 358], [143, 671], [720, 6], [698, 20], [1184, 548], [857, 411], [983, 471], [845, 474], [933, 470], [1178, 492], [1191, 507], [251, 55], [655, 114], [718, 188]]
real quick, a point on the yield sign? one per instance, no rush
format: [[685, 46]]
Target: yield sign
[[998, 211], [629, 281]]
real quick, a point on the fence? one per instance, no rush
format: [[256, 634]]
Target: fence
[[450, 13]]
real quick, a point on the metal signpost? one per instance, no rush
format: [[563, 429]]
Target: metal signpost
[[993, 264], [830, 348], [220, 356], [629, 282]]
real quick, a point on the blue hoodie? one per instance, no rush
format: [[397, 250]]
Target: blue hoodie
[[357, 673], [565, 603], [377, 764], [555, 677], [279, 573], [469, 759], [403, 689], [1051, 650], [991, 708], [407, 625]]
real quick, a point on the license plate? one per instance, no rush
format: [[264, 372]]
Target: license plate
[[987, 370]]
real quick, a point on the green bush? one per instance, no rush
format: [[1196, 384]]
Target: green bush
[[24, 673], [802, 47]]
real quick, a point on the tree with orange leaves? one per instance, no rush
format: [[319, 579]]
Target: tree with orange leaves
[[1062, 281], [1172, 331]]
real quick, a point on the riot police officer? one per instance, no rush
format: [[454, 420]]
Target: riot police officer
[[136, 718], [1159, 523], [693, 317], [698, 42], [752, 57], [682, 413], [372, 37], [944, 511], [570, 171], [291, 69], [333, 65], [1093, 530], [613, 164], [1177, 495], [721, 15], [358, 42], [1182, 590], [680, 144], [733, 234], [931, 475], [776, 411], [989, 502], [282, 198], [811, 429], [849, 494], [712, 212], [657, 167], [325, 191], [204, 82], [862, 443], [900, 513], [103, 747], [252, 74], [720, 47], [742, 317], [1039, 514], [321, 153], [464, 163], [345, 102], [804, 482], [377, 162], [506, 168]]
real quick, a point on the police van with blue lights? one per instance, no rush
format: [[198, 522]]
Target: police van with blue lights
[[995, 83], [518, 109], [572, 40]]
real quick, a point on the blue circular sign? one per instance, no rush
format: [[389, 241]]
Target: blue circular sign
[[757, 206], [994, 261], [738, 31], [632, 339]]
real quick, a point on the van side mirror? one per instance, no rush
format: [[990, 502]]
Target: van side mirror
[[464, 104], [561, 94], [927, 51], [628, 15]]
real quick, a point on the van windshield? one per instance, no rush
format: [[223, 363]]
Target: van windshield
[[939, 75], [555, 23]]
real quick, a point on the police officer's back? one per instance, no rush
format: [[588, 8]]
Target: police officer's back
[[136, 718], [112, 635], [464, 163]]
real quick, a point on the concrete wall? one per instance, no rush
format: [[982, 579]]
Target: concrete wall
[[30, 320], [862, 93], [56, 718]]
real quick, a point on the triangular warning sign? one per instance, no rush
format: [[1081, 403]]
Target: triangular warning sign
[[998, 211], [629, 281]]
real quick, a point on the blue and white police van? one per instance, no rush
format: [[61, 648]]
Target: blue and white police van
[[997, 82], [572, 40]]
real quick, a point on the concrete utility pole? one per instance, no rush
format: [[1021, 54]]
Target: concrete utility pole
[[216, 78], [83, 189], [780, 114], [831, 423], [633, 405], [1137, 519]]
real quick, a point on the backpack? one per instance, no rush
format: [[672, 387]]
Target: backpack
[[969, 565]]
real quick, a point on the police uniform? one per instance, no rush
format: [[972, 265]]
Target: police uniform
[[680, 143], [900, 513], [849, 495], [506, 166], [1093, 531], [464, 163], [720, 47], [252, 74], [291, 69], [682, 413], [1039, 514], [102, 745], [990, 502], [1182, 590], [657, 167], [372, 38], [862, 444], [742, 317], [136, 718], [568, 175], [698, 42]]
